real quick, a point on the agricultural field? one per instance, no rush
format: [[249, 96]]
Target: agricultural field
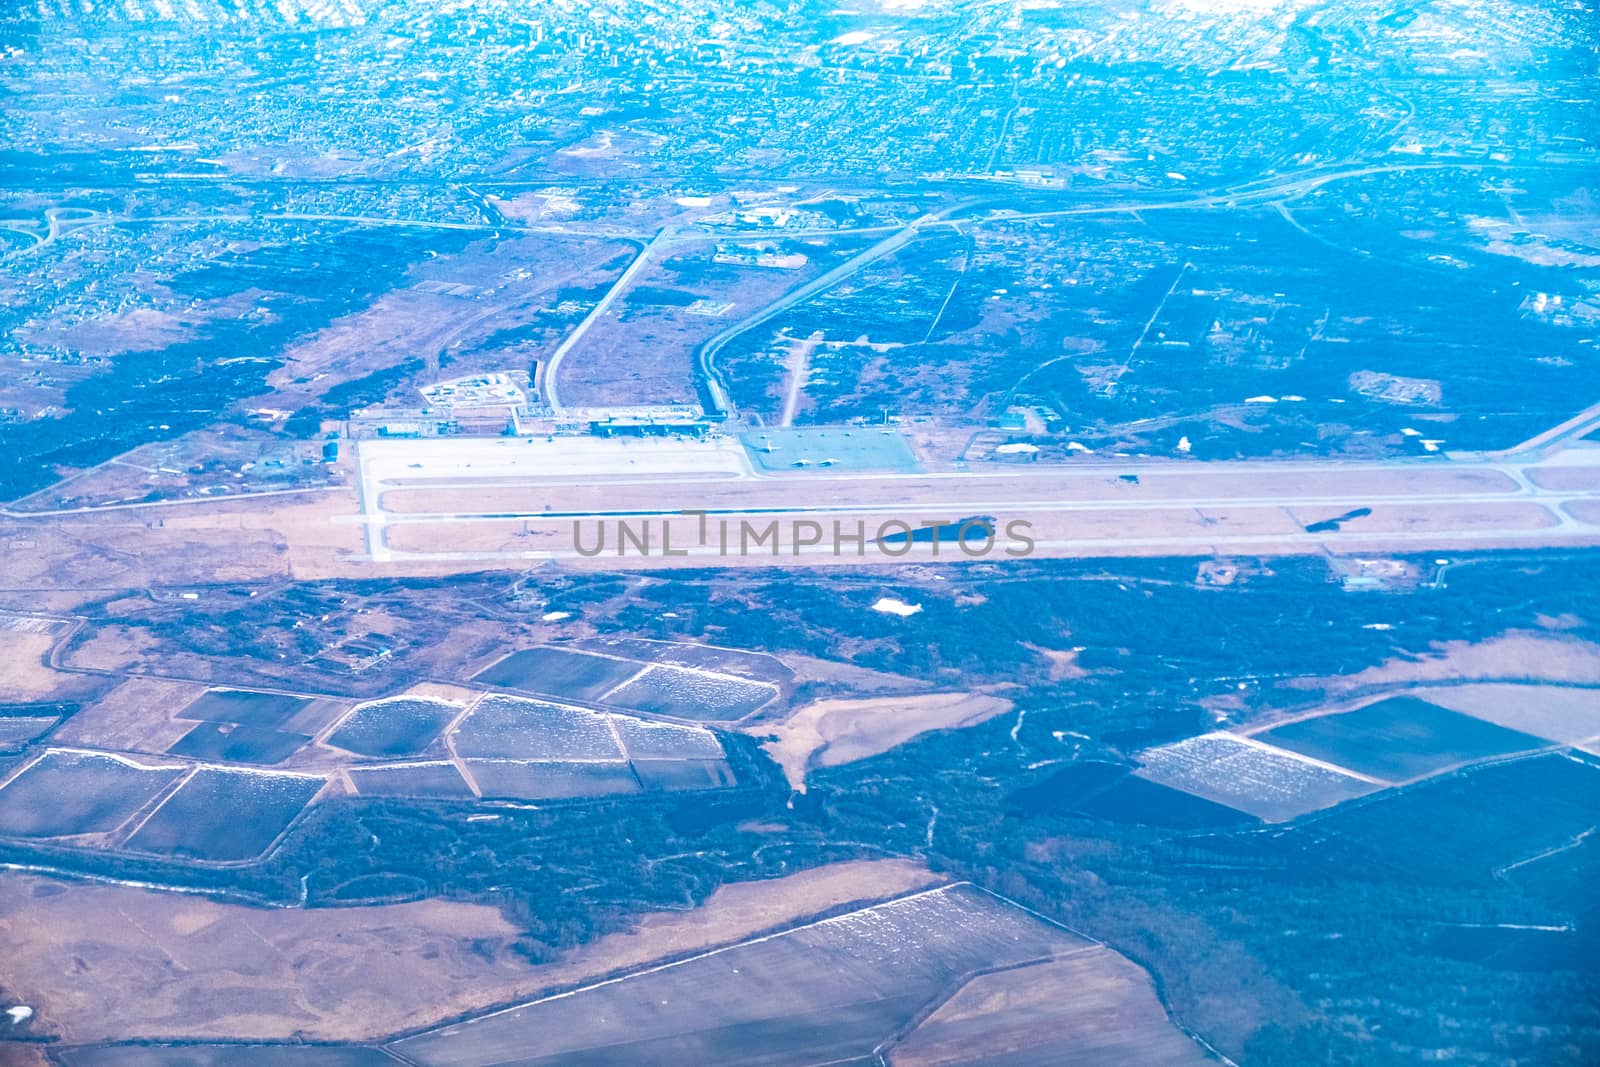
[[137, 715], [238, 744], [1270, 785], [439, 779], [65, 792], [1398, 739], [264, 972], [674, 775], [692, 694], [507, 727], [831, 991], [758, 666], [1498, 820], [222, 815], [559, 672], [645, 740], [1567, 714], [271, 972], [244, 708], [1091, 1008], [1110, 791], [19, 726], [1141, 802], [399, 726], [545, 780]]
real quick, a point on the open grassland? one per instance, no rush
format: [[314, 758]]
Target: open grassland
[[25, 672], [211, 541], [1519, 655], [828, 733], [205, 969]]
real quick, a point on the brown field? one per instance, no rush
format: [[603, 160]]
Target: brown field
[[139, 329], [1063, 663], [850, 677], [201, 969], [1090, 1007], [24, 674], [509, 281], [1513, 656], [206, 542], [110, 647], [136, 716], [21, 1054], [204, 969], [828, 733]]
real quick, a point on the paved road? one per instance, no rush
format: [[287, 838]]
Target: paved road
[[552, 380]]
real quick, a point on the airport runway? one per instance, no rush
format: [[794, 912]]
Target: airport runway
[[624, 502]]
